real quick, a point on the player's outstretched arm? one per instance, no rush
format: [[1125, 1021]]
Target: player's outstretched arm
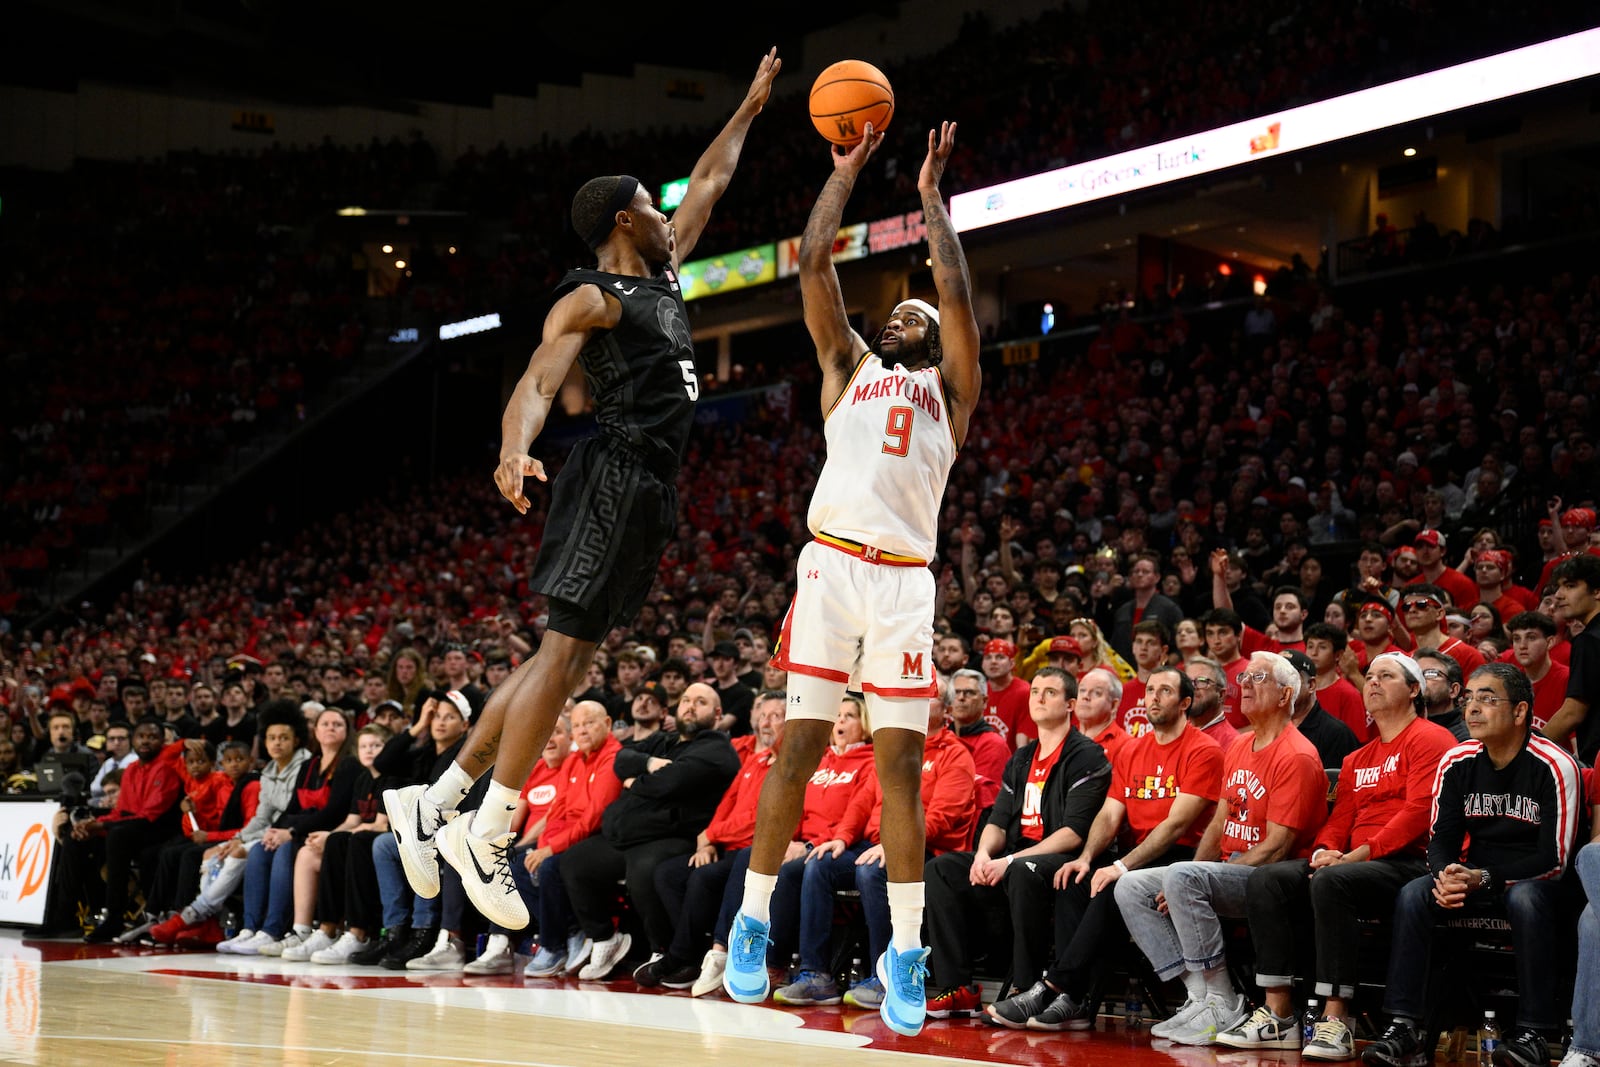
[[566, 329], [838, 345], [711, 175], [958, 325]]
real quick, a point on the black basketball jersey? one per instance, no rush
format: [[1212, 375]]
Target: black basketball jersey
[[641, 372]]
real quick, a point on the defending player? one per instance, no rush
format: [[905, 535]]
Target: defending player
[[614, 503], [895, 413]]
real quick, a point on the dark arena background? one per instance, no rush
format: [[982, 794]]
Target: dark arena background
[[1290, 321]]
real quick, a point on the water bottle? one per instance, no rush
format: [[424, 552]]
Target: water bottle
[[857, 974], [1488, 1037], [1566, 1040], [1133, 1007], [794, 968], [1308, 1021]]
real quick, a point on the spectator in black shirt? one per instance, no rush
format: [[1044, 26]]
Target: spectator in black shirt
[[1507, 805], [1331, 738], [737, 698], [1577, 581], [1442, 687]]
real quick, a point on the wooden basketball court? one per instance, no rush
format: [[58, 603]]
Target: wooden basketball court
[[63, 1004]]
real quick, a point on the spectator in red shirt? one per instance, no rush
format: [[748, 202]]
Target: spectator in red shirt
[[1205, 711], [1224, 630], [1007, 708], [1099, 692], [1463, 591], [990, 753], [1274, 801], [1423, 608], [1374, 636], [586, 786], [1325, 643], [1492, 569], [1531, 635], [1375, 841], [145, 819]]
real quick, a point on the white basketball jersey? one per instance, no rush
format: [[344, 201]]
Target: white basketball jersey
[[890, 448]]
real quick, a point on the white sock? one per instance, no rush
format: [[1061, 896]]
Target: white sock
[[1218, 983], [1195, 984], [905, 915], [758, 896], [453, 785], [494, 814], [303, 929]]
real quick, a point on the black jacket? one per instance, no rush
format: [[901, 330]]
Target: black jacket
[[1073, 793], [679, 799], [415, 761]]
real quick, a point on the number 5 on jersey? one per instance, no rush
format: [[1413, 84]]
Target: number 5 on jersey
[[898, 430], [691, 381]]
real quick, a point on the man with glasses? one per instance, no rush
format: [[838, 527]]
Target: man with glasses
[[969, 691], [1274, 801], [1505, 822], [1375, 841], [1423, 607], [1442, 685], [1205, 712]]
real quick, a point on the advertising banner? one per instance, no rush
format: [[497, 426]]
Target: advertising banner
[[27, 849]]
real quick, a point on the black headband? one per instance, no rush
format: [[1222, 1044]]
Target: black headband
[[621, 197]]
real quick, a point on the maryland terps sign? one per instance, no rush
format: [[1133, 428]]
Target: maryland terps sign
[[27, 849]]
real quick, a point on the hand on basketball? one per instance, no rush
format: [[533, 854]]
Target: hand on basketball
[[761, 87], [853, 159], [940, 144], [509, 475]]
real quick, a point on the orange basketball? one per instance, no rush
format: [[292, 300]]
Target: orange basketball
[[846, 97]]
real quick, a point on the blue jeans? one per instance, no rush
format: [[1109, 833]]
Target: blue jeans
[[872, 882], [1537, 916], [400, 904], [546, 898], [269, 888], [732, 895], [820, 877], [1585, 1002]]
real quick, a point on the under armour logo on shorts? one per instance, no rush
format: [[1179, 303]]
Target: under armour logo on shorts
[[813, 574]]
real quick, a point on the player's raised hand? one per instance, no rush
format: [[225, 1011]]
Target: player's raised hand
[[854, 158], [761, 86], [941, 143], [509, 475]]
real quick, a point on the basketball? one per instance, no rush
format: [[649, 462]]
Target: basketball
[[846, 97]]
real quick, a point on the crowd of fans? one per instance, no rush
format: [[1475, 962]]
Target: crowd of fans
[[1196, 491], [1338, 520]]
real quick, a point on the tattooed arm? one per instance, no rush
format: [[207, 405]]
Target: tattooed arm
[[838, 345], [958, 326]]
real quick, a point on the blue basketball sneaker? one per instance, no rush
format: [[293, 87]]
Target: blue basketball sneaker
[[746, 979], [905, 998]]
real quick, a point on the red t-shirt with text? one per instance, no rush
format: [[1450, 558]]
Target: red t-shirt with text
[[1282, 783]]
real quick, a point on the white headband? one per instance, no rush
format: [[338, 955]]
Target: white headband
[[922, 306], [1411, 667]]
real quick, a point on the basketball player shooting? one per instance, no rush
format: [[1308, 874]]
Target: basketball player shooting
[[613, 507], [895, 413]]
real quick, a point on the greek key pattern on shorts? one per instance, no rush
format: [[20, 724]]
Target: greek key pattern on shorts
[[592, 546]]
